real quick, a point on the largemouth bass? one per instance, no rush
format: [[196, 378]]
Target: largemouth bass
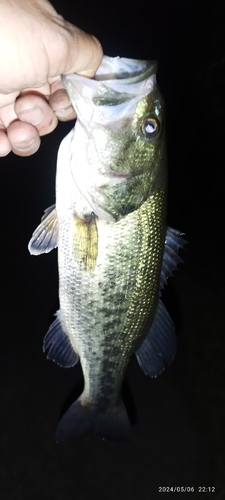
[[115, 252]]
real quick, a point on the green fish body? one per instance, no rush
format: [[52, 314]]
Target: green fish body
[[115, 252]]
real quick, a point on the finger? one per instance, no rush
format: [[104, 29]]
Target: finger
[[61, 105], [78, 52], [89, 55], [24, 138], [7, 99], [5, 146], [34, 108]]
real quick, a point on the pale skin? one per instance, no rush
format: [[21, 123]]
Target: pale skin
[[36, 46]]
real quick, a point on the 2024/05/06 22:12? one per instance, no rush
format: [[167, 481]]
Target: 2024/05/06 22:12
[[186, 489]]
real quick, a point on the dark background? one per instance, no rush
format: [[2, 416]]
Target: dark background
[[178, 419]]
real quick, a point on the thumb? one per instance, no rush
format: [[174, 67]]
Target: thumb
[[80, 52], [88, 55]]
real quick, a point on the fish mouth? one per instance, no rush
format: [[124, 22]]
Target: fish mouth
[[117, 81], [125, 70], [112, 95], [122, 69]]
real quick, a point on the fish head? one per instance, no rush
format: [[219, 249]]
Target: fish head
[[119, 149]]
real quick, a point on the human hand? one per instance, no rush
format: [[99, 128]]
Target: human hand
[[37, 46]]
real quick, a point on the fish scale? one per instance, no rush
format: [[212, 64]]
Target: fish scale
[[145, 294]]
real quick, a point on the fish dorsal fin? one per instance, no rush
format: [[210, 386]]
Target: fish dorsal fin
[[45, 236], [173, 243], [159, 345], [58, 344]]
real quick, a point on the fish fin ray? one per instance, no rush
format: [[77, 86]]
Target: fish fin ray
[[58, 344], [81, 420], [47, 211], [173, 243], [45, 236], [159, 345]]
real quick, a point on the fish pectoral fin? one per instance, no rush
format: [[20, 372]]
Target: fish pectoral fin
[[86, 242], [81, 420], [45, 236], [159, 345], [173, 243], [60, 348]]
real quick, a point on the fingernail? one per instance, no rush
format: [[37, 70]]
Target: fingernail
[[65, 113], [24, 145], [33, 116]]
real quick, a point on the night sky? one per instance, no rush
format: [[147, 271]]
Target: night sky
[[178, 436]]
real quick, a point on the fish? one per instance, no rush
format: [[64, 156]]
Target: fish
[[115, 251]]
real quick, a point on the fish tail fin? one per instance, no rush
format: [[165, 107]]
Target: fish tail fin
[[80, 420]]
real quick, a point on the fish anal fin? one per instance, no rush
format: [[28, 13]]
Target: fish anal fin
[[58, 344], [159, 346], [85, 242], [45, 236]]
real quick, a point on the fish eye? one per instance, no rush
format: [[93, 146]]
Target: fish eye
[[150, 127]]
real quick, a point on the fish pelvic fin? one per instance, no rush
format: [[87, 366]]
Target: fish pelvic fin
[[45, 236], [160, 344], [81, 420]]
